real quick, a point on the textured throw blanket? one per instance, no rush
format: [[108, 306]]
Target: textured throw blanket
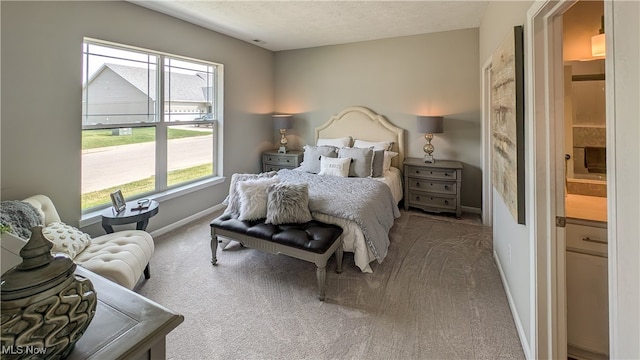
[[20, 216], [367, 202]]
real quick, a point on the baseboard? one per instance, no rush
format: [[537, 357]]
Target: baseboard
[[188, 219], [516, 318], [472, 210]]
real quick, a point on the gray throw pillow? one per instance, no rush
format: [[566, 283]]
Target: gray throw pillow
[[361, 160], [377, 167], [288, 204], [233, 200], [312, 154]]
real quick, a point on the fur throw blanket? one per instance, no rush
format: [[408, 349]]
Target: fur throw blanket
[[20, 216]]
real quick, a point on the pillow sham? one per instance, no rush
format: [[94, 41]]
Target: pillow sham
[[334, 166], [377, 166], [66, 239], [377, 145], [312, 154], [288, 204], [253, 197], [337, 142], [361, 160], [233, 199], [388, 155]]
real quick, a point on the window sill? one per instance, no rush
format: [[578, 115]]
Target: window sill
[[94, 217]]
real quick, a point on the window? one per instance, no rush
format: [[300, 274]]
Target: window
[[126, 145]]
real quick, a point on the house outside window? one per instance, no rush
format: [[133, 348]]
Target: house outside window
[[126, 145]]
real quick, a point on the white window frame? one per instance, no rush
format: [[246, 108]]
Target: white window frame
[[162, 191]]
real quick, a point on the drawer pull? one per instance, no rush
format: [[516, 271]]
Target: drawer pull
[[446, 187], [417, 184], [447, 174], [431, 172], [417, 171], [417, 198], [588, 239], [446, 202], [288, 160]]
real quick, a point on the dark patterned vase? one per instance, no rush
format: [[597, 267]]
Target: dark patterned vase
[[46, 307]]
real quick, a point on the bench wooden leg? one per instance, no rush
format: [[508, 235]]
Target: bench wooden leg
[[339, 254], [321, 274], [214, 249]]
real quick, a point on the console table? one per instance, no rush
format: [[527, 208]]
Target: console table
[[126, 325]]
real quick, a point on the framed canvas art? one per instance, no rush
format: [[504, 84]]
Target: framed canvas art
[[507, 122]]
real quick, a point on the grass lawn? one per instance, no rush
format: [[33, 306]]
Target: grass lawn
[[92, 139], [101, 197]]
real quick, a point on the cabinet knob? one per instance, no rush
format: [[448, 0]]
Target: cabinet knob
[[446, 187], [447, 174], [288, 160], [446, 202], [431, 172], [417, 184], [417, 171], [417, 198]]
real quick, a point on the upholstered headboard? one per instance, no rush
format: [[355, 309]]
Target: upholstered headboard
[[362, 123]]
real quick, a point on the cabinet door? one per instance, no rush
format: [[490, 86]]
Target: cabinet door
[[587, 302]]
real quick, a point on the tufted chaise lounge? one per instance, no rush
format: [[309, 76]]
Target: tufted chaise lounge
[[121, 257], [313, 241]]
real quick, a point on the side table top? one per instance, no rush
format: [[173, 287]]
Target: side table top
[[129, 214]]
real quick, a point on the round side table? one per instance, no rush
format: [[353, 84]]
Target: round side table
[[129, 216]]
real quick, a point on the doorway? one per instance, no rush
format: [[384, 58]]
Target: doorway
[[555, 267]]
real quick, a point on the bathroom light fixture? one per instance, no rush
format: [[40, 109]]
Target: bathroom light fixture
[[282, 122], [429, 125], [598, 47]]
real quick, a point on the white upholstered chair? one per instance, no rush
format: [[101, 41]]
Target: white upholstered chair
[[121, 256]]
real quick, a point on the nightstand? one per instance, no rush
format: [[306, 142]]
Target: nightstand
[[274, 161], [434, 186]]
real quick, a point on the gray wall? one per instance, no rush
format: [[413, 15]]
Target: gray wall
[[511, 242], [431, 74], [41, 95]]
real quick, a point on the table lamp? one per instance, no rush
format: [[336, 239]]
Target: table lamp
[[429, 125], [282, 122]]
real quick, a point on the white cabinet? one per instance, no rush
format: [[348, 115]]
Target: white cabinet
[[587, 291]]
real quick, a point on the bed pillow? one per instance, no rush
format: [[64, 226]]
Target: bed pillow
[[377, 145], [312, 154], [377, 166], [253, 197], [66, 239], [388, 155], [233, 200], [288, 204], [334, 166], [337, 142], [361, 160]]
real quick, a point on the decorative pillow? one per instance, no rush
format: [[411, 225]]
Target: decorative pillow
[[312, 154], [334, 166], [361, 163], [337, 142], [377, 167], [388, 155], [233, 202], [253, 197], [288, 204], [66, 239], [377, 145]]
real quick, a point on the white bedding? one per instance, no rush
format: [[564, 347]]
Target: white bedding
[[352, 236]]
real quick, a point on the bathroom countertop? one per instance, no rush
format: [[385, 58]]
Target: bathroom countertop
[[585, 207]]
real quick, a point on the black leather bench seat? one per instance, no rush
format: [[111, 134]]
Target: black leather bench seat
[[312, 241], [311, 236]]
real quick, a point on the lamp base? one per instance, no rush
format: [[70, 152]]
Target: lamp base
[[282, 150], [428, 158]]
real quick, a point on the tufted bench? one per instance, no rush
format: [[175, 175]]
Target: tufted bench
[[313, 241]]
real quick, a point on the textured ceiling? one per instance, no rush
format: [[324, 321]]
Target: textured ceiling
[[286, 25]]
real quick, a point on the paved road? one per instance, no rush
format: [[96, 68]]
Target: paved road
[[114, 165]]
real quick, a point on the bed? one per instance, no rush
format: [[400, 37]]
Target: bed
[[363, 124]]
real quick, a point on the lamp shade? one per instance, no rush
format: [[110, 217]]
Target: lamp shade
[[430, 124], [598, 45], [282, 121]]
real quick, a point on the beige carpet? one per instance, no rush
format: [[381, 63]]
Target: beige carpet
[[438, 295]]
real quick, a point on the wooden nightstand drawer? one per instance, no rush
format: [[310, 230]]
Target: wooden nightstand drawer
[[427, 173], [440, 187], [274, 161], [431, 200]]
